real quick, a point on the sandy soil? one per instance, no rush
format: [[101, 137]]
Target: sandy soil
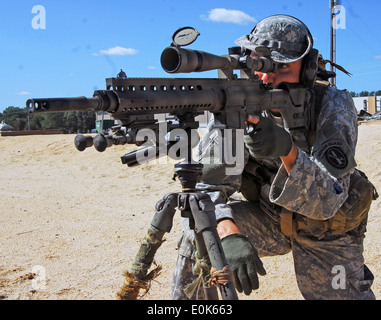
[[71, 222]]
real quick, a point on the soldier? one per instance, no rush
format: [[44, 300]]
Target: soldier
[[298, 185]]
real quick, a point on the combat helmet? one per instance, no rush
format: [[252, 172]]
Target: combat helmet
[[284, 38]]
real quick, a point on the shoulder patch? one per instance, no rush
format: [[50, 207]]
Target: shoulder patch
[[336, 155]]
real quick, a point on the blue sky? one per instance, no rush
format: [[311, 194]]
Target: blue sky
[[86, 41]]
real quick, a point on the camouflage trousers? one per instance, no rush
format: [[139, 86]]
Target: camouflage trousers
[[329, 268]]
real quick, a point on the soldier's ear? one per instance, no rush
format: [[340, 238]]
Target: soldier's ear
[[308, 72]]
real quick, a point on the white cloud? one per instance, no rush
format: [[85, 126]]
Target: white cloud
[[23, 93], [117, 51], [228, 15], [151, 68], [377, 57]]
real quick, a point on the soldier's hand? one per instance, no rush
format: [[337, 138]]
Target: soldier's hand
[[243, 261], [268, 139]]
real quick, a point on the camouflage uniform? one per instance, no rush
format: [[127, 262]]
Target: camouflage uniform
[[294, 212], [312, 193]]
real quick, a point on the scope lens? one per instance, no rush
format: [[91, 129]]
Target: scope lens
[[170, 60]]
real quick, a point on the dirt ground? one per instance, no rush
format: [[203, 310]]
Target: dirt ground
[[71, 222]]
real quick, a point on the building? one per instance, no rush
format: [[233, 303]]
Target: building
[[5, 127], [369, 104], [104, 121]]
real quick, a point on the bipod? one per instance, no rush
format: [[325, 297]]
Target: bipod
[[199, 209]]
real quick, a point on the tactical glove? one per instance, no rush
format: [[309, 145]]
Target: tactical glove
[[243, 261], [268, 140]]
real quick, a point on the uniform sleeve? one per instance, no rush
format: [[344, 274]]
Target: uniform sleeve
[[222, 166], [318, 184]]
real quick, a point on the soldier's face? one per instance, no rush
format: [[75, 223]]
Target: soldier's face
[[286, 72]]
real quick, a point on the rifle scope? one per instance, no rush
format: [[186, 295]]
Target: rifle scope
[[180, 60], [177, 60]]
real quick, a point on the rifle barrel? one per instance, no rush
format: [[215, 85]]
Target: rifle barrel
[[62, 104]]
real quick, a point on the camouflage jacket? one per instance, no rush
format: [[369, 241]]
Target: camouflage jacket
[[318, 184]]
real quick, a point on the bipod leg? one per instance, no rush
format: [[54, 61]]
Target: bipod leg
[[209, 245], [138, 277], [203, 267]]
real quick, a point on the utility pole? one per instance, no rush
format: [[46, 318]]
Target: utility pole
[[28, 117], [333, 4]]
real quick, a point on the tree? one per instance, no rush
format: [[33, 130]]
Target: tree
[[70, 122], [87, 121], [54, 120], [37, 122], [15, 117]]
